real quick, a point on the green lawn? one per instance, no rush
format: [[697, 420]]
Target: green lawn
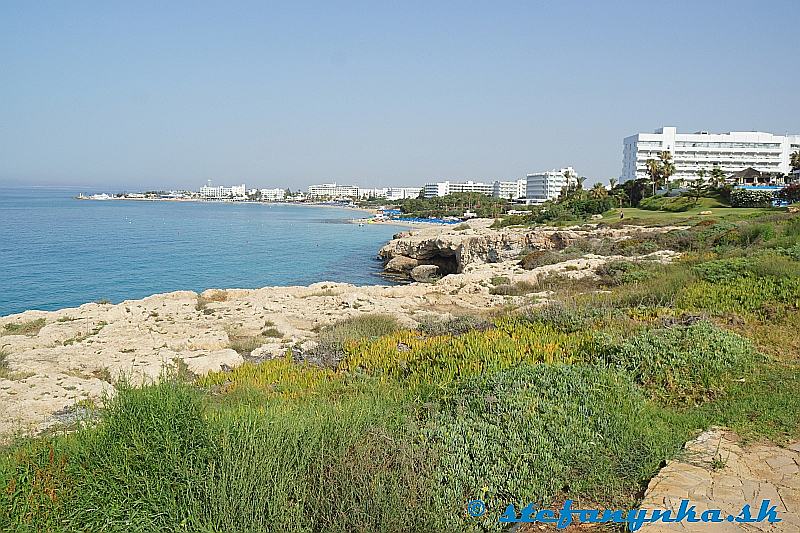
[[635, 216]]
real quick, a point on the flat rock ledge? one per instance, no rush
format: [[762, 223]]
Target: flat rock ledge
[[717, 472]]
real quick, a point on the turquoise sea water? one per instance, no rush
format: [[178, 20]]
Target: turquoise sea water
[[59, 252]]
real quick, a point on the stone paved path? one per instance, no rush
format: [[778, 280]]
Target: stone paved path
[[717, 473]]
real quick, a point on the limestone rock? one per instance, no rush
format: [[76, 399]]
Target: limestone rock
[[400, 264], [425, 273]]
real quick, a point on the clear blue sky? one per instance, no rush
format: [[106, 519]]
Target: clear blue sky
[[142, 94]]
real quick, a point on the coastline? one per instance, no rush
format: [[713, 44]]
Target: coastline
[[76, 354], [201, 201], [372, 211]]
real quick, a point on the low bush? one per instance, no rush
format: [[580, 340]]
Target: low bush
[[750, 198], [518, 288], [741, 295], [418, 360], [539, 258], [332, 338], [685, 364], [455, 325], [567, 317], [621, 272], [578, 430]]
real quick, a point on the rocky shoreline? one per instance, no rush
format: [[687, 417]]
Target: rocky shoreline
[[74, 355]]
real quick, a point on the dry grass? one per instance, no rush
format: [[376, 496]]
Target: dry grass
[[30, 328], [244, 343], [321, 292], [210, 297]]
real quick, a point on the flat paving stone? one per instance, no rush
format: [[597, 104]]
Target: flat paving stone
[[716, 472]]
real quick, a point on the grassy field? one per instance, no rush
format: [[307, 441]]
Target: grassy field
[[719, 211], [395, 430]]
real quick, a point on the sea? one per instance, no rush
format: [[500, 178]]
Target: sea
[[56, 251]]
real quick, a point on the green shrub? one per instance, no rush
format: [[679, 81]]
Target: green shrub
[[518, 288], [685, 364], [792, 252], [621, 272], [534, 433], [456, 325], [567, 317], [539, 258], [659, 290], [755, 232], [741, 295], [333, 338], [723, 269], [750, 198]]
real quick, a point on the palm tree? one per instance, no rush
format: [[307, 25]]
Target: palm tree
[[612, 182], [598, 191], [667, 166], [717, 176], [580, 179], [654, 171], [795, 160]]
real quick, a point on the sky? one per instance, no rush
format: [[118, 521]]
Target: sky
[[137, 95]]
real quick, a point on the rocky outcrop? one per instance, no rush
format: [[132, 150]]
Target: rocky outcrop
[[452, 250], [425, 273]]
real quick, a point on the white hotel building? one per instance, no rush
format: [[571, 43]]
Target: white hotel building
[[332, 190], [510, 190], [691, 152], [501, 189], [272, 195], [221, 192], [544, 186], [443, 188]]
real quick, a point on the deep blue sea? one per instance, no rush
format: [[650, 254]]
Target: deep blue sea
[[57, 252]]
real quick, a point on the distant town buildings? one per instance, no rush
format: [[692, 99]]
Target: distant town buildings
[[544, 186], [691, 152], [222, 192]]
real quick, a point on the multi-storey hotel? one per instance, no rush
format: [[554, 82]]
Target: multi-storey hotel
[[691, 152], [272, 195], [221, 192], [332, 190], [390, 193], [544, 186], [510, 190], [443, 188], [501, 189]]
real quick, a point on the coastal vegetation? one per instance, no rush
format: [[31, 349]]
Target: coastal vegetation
[[454, 205], [581, 392], [30, 327]]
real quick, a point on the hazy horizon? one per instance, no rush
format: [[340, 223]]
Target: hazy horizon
[[139, 96]]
